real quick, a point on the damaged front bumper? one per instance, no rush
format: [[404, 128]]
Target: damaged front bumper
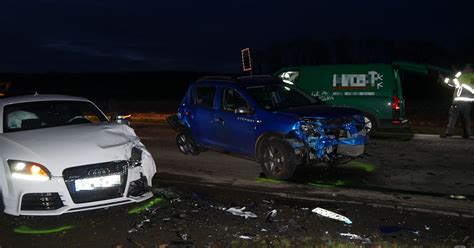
[[62, 194], [317, 140]]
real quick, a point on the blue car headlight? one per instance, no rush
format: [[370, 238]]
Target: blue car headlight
[[28, 170], [307, 128], [310, 128]]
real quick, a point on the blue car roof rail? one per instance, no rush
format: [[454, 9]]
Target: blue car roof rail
[[245, 80], [257, 77], [227, 78]]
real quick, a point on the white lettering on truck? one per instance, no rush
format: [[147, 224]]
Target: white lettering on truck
[[324, 96], [372, 79]]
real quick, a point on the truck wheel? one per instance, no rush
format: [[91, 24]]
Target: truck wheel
[[277, 159], [186, 143], [370, 124]]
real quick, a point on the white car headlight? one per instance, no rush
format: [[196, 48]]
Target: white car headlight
[[28, 170]]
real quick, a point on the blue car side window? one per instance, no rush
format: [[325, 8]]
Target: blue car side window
[[232, 100], [204, 96]]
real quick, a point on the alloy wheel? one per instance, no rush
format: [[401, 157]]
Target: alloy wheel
[[185, 144], [273, 160], [368, 124]]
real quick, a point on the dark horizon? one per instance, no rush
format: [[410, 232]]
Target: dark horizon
[[118, 36]]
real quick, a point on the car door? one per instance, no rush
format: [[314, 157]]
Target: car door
[[235, 122], [202, 113]]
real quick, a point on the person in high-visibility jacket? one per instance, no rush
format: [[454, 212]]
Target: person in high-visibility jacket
[[463, 96]]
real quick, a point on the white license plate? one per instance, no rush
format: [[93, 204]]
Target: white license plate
[[97, 182]]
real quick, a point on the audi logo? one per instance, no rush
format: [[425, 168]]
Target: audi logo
[[97, 172]]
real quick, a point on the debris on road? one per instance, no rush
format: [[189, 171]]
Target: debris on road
[[271, 215], [332, 215], [457, 197], [466, 239], [241, 212], [244, 237], [203, 219], [139, 226], [183, 236], [352, 236]]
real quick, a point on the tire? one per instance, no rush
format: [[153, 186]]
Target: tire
[[370, 124], [277, 159], [186, 143]]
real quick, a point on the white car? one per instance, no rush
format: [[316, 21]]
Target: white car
[[60, 154]]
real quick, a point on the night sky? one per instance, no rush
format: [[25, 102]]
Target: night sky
[[106, 35]]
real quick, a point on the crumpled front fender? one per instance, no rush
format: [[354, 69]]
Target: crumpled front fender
[[324, 141]]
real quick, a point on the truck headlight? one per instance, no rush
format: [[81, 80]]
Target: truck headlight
[[28, 170], [289, 77]]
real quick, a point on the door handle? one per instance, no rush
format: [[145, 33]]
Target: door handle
[[219, 120]]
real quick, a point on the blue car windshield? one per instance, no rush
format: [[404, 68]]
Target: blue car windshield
[[280, 96]]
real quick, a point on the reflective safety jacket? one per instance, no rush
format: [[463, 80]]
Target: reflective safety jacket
[[464, 92]]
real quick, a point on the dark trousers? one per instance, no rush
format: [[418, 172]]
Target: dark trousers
[[457, 109]]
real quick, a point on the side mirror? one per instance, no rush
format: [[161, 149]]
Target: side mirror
[[122, 119], [243, 111]]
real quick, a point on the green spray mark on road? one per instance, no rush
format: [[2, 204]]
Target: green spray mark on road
[[145, 207], [319, 185], [363, 166], [268, 180], [27, 230], [323, 184]]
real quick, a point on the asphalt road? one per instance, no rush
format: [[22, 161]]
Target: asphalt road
[[396, 196], [422, 170]]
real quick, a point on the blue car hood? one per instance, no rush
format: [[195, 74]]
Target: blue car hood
[[319, 111]]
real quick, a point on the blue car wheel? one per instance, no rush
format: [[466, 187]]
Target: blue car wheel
[[186, 144], [277, 159]]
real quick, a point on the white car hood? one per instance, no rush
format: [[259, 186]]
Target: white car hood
[[58, 148]]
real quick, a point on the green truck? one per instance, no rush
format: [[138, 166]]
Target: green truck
[[375, 89]]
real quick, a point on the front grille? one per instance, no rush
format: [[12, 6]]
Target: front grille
[[41, 201], [70, 176]]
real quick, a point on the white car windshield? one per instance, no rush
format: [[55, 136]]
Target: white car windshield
[[44, 114]]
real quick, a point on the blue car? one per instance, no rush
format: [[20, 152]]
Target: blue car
[[267, 120]]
